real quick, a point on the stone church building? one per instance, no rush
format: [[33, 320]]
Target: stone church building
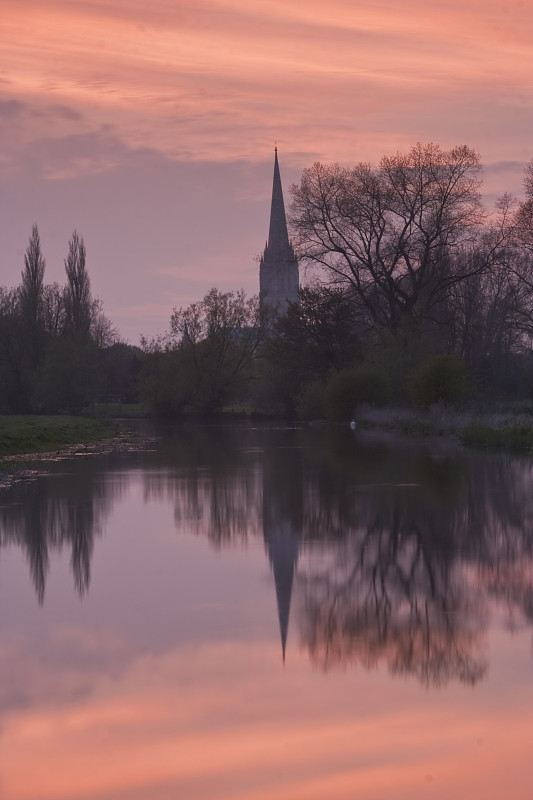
[[278, 269]]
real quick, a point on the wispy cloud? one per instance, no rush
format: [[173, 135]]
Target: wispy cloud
[[222, 78]]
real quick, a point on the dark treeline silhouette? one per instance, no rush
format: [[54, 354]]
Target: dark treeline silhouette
[[58, 351], [417, 292]]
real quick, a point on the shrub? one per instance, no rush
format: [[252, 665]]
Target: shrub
[[310, 403], [347, 389], [442, 379]]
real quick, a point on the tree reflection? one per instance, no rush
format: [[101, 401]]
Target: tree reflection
[[400, 548], [396, 551], [385, 594], [407, 579], [56, 512], [212, 476]]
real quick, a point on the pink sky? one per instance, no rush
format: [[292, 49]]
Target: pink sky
[[150, 127]]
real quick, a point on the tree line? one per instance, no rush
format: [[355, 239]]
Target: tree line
[[416, 292], [429, 268], [58, 350]]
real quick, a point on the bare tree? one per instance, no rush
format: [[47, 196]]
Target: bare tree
[[205, 359], [53, 309], [390, 233], [218, 339]]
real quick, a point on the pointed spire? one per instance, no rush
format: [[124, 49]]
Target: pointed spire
[[278, 268], [278, 238]]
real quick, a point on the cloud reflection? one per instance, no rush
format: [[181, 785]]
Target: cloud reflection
[[397, 556], [209, 722]]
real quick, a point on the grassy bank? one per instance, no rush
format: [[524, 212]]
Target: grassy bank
[[40, 434], [512, 437], [508, 429]]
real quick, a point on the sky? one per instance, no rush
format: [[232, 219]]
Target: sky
[[150, 127]]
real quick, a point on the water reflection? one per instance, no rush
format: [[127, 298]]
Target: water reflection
[[416, 558], [395, 551], [57, 512]]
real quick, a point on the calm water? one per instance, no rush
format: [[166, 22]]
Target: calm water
[[259, 612]]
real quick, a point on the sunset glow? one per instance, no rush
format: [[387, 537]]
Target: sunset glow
[[90, 89], [151, 737]]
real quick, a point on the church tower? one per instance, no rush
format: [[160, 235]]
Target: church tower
[[278, 270]]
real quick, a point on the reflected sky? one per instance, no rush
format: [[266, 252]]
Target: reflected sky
[[249, 612]]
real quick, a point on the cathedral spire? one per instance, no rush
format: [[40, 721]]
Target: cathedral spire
[[278, 271], [278, 245]]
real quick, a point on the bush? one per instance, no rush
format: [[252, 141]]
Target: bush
[[442, 379], [347, 389], [310, 403], [162, 389]]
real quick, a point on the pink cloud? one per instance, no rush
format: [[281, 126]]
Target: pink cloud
[[101, 88]]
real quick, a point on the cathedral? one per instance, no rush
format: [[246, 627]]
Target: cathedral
[[278, 270]]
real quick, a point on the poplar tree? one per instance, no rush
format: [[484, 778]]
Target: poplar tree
[[31, 295], [78, 298]]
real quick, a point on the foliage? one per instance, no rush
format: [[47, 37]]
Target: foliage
[[51, 337], [347, 389], [311, 401], [31, 298], [205, 360], [120, 365], [70, 375], [318, 334], [442, 379], [162, 391], [78, 297]]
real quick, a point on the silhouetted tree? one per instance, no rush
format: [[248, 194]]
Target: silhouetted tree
[[205, 359], [78, 289], [390, 233], [320, 333], [31, 295]]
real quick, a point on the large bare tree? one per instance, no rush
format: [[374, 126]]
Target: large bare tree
[[390, 233]]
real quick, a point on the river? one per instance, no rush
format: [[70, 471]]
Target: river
[[260, 611]]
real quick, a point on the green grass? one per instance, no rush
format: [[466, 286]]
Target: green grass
[[41, 434]]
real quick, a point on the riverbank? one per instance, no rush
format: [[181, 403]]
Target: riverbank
[[28, 442], [22, 435], [505, 429]]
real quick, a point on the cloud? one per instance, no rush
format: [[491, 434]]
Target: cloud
[[221, 79], [121, 117], [11, 108]]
